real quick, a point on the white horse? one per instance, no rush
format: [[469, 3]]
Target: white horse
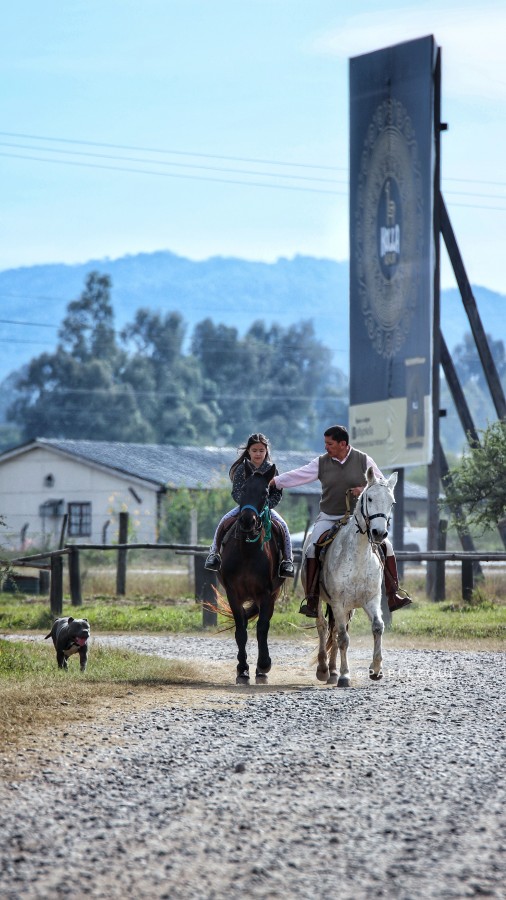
[[352, 577]]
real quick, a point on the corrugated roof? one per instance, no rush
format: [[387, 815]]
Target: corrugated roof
[[192, 467]]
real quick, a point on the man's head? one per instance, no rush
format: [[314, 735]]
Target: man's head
[[336, 441], [337, 433]]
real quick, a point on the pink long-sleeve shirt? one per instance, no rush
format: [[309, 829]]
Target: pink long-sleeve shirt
[[309, 472]]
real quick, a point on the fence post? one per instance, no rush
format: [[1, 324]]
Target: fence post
[[75, 578], [192, 561], [56, 591], [205, 580], [439, 580], [44, 581], [502, 530], [467, 579], [122, 555]]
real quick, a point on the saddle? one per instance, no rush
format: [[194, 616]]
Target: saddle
[[230, 530], [325, 539]]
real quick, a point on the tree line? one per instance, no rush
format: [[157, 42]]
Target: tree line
[[140, 385]]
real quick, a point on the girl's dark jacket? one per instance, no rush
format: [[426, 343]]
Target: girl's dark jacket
[[240, 477]]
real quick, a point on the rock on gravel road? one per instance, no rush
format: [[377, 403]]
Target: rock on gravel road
[[292, 789]]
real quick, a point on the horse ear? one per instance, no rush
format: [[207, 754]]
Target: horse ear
[[249, 468], [371, 477], [270, 472], [392, 481]]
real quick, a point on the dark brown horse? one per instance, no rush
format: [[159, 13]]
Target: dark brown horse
[[249, 570]]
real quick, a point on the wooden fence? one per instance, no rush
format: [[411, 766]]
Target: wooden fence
[[205, 581]]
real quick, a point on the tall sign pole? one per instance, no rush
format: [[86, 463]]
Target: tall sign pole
[[434, 468]]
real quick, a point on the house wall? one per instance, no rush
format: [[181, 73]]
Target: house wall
[[23, 490]]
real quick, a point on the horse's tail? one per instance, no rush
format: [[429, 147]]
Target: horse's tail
[[220, 604]]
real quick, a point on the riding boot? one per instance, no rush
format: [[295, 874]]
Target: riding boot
[[213, 560], [286, 569], [309, 606], [395, 601]]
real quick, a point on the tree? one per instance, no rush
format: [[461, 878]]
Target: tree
[[272, 380], [478, 482], [169, 386], [143, 387], [78, 391], [87, 331]]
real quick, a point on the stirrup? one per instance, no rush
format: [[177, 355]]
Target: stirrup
[[395, 601], [286, 569], [213, 562], [309, 607]]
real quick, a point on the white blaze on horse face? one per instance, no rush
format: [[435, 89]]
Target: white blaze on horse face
[[375, 504]]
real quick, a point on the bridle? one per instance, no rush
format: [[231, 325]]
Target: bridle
[[368, 519], [262, 523]]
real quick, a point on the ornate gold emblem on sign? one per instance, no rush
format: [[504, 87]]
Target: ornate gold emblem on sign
[[389, 233]]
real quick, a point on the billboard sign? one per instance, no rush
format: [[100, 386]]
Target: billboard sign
[[392, 252]]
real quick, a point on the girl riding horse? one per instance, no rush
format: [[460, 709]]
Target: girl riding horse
[[257, 451]]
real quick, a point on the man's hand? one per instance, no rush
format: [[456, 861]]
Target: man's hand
[[356, 491]]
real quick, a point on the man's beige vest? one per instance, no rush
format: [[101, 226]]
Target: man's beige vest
[[337, 477]]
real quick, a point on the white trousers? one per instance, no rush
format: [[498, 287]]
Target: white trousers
[[323, 523]]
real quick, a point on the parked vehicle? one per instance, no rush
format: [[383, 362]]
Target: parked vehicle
[[415, 538]]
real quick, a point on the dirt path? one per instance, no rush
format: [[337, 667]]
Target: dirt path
[[291, 789]]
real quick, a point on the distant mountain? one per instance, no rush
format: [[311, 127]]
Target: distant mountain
[[233, 291]]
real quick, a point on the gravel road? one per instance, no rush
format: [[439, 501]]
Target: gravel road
[[293, 789]]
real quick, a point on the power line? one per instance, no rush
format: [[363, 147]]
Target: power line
[[67, 162], [169, 163], [21, 341], [235, 181], [226, 158], [37, 324], [267, 162]]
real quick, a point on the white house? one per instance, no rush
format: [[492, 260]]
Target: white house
[[91, 482]]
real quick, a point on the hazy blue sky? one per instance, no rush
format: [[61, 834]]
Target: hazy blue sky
[[247, 102]]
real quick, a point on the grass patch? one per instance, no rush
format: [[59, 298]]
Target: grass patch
[[35, 693], [484, 620], [481, 618]]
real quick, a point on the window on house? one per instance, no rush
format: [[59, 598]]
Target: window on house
[[79, 524]]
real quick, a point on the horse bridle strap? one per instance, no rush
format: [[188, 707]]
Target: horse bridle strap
[[367, 519], [265, 523]]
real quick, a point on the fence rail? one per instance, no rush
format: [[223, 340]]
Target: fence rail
[[205, 581]]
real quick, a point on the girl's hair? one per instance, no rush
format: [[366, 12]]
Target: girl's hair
[[256, 438]]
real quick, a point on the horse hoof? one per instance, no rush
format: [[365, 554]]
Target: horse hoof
[[332, 679], [344, 681], [261, 678], [375, 676], [322, 674], [242, 676]]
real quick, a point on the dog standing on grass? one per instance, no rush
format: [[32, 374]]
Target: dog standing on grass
[[70, 636]]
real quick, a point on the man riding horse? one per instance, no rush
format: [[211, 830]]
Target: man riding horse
[[340, 469]]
